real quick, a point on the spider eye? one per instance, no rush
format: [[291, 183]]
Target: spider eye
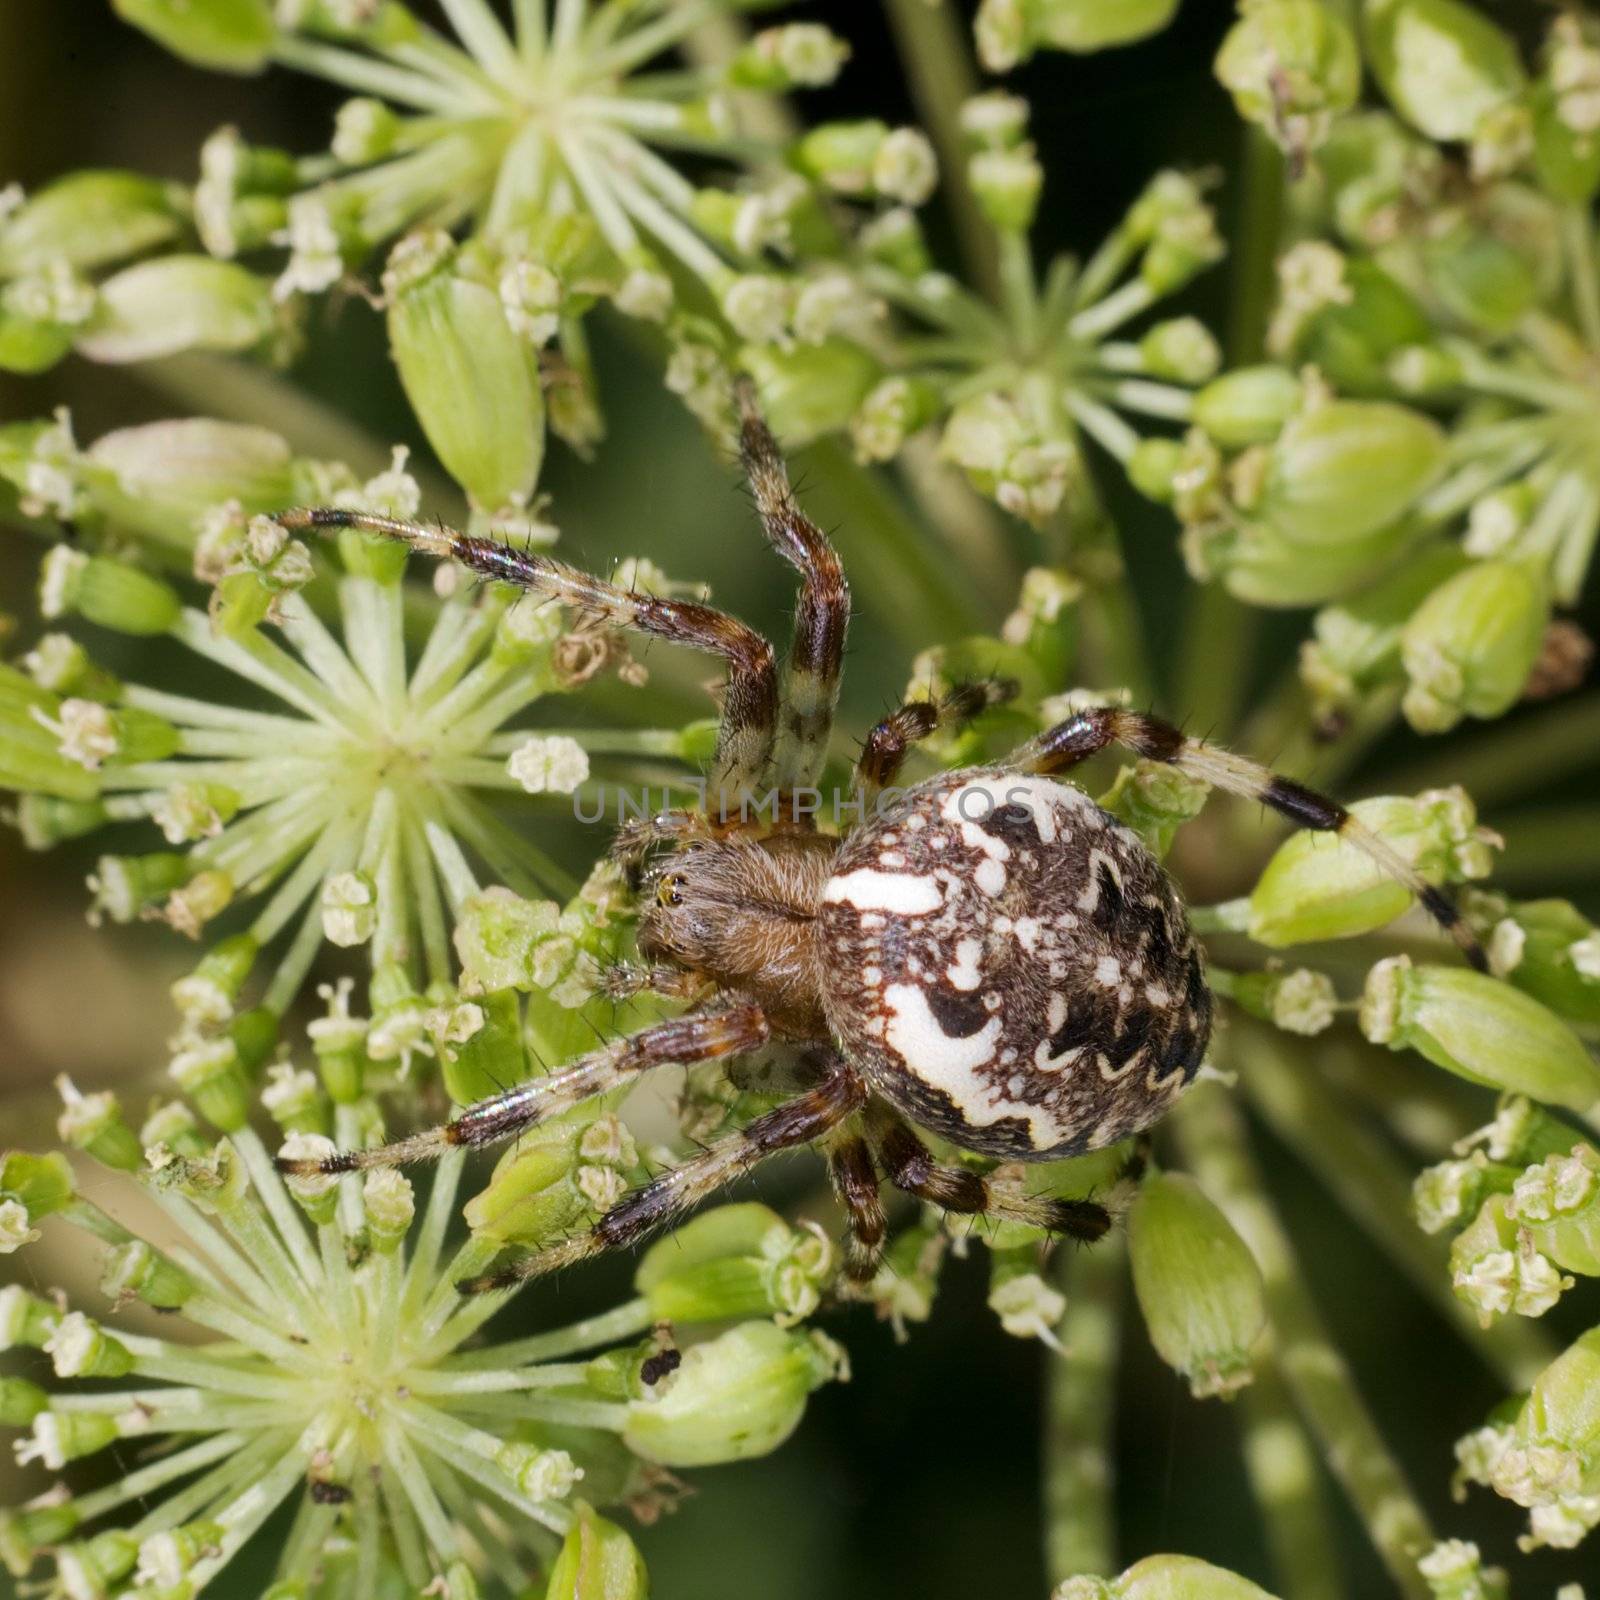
[[667, 890]]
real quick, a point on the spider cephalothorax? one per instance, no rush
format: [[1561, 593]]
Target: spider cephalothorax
[[992, 958]]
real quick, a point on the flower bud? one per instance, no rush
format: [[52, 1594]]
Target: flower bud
[[1356, 646], [556, 1177], [479, 1045], [841, 154], [1027, 1307], [597, 1561], [1482, 279], [1182, 350], [349, 908], [139, 1269], [889, 414], [40, 1184], [811, 390], [1469, 647], [1548, 949], [26, 1532], [1450, 1193], [211, 1074], [390, 1204], [734, 1397], [1155, 800], [1291, 66], [798, 55], [1558, 1203], [1320, 886], [472, 383], [895, 240], [1347, 469], [89, 219], [176, 1127], [95, 1568], [736, 1261], [26, 1320], [1566, 151], [1354, 337], [1298, 1001], [1481, 1029], [93, 1123], [1442, 63], [1198, 1285], [81, 1348], [1164, 1578], [1082, 26], [112, 593], [1007, 183], [1496, 1269], [225, 35], [20, 1402], [317, 1192], [174, 303]]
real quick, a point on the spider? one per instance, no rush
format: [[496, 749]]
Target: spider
[[992, 959]]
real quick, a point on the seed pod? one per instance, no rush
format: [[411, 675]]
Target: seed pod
[[1480, 278], [889, 414], [1558, 1203], [498, 934], [1164, 1578], [25, 1533], [1319, 886], [93, 1123], [1469, 647], [598, 1561], [1497, 1270], [225, 35], [1249, 405], [472, 382], [114, 594], [160, 478], [1291, 66], [736, 1261], [1442, 63], [1007, 184], [734, 1397], [1258, 565], [1082, 26], [1181, 350], [81, 1348], [137, 1268], [1353, 340], [1198, 1285], [1347, 469], [1548, 949], [1356, 643], [1482, 1030], [174, 303], [88, 220]]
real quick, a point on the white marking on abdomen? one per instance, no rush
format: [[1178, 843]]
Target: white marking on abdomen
[[907, 894], [965, 974], [932, 1056]]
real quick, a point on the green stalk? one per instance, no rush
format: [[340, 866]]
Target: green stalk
[[1282, 1466], [934, 48], [1212, 1136], [1079, 1532], [1370, 1184]]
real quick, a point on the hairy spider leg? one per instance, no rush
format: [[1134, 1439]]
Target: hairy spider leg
[[702, 1036], [911, 1167], [1092, 731], [750, 704], [822, 609], [800, 1121], [888, 745], [854, 1175]]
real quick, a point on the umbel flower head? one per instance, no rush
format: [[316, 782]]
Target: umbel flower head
[[315, 1354], [326, 785]]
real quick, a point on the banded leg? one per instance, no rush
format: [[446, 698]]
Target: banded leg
[[704, 1036], [855, 1182], [750, 704], [910, 1166], [801, 1121], [890, 742], [1090, 732], [822, 610]]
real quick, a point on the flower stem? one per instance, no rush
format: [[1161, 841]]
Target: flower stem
[[1211, 1133], [932, 41], [1080, 1534]]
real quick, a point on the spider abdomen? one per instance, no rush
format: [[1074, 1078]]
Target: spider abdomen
[[1010, 967]]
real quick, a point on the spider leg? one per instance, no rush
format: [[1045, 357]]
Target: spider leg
[[750, 704], [1092, 731], [638, 836], [800, 1121], [703, 1036], [911, 1167], [855, 1182], [626, 979], [822, 611], [890, 742]]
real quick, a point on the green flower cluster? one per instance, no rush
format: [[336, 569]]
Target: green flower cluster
[[316, 1354]]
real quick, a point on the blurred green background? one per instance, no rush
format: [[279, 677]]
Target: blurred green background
[[920, 1477]]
